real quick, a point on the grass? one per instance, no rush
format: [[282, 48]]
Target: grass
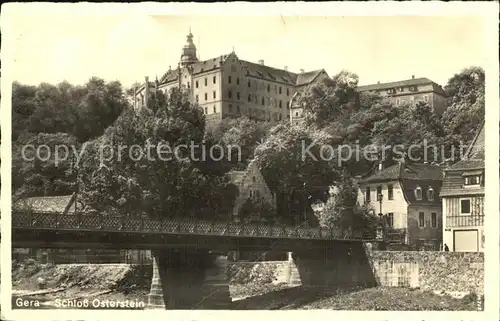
[[371, 299]]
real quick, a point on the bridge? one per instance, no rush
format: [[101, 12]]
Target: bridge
[[81, 230], [323, 257]]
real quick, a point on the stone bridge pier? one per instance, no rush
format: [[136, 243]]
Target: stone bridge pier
[[189, 279], [341, 264]]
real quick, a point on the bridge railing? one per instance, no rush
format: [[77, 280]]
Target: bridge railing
[[122, 223]]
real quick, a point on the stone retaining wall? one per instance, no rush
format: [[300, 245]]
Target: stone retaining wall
[[432, 270]]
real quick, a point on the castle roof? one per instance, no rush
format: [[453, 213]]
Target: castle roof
[[403, 83]]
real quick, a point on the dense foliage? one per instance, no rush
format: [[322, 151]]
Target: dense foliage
[[299, 163]]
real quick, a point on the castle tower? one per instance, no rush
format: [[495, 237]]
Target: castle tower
[[188, 56]]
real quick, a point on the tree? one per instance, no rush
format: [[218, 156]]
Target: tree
[[82, 111], [466, 112], [342, 211], [167, 181], [294, 170], [243, 133], [43, 165], [325, 101], [258, 207]]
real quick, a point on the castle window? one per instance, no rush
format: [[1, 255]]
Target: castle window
[[230, 94], [279, 90], [238, 95], [197, 84], [215, 79], [230, 108], [215, 95], [249, 98], [433, 219], [421, 219], [215, 109], [229, 79], [430, 194], [206, 96], [206, 82], [418, 193], [237, 81]]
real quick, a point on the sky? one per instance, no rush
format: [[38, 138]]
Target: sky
[[53, 48]]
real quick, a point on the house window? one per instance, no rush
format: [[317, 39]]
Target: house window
[[215, 109], [397, 102], [367, 194], [390, 219], [390, 192], [215, 79], [379, 191], [257, 194], [206, 111], [426, 98], [288, 91], [421, 219], [215, 94], [249, 84], [296, 114], [280, 103], [251, 193], [253, 179], [465, 208], [238, 95], [229, 79], [434, 219], [418, 193], [238, 109], [249, 98], [197, 98], [279, 90], [430, 194], [230, 108], [472, 180], [268, 88], [237, 81], [230, 94], [206, 82], [197, 84], [206, 96], [263, 101]]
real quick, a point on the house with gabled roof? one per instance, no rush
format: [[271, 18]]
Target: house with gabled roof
[[411, 91], [406, 198], [227, 86], [251, 187], [463, 199]]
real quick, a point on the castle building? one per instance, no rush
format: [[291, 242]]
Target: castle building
[[410, 92], [227, 86]]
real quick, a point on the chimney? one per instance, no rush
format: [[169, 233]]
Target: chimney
[[301, 71], [412, 76], [285, 68], [261, 62]]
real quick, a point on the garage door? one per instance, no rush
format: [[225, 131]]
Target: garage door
[[466, 241]]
